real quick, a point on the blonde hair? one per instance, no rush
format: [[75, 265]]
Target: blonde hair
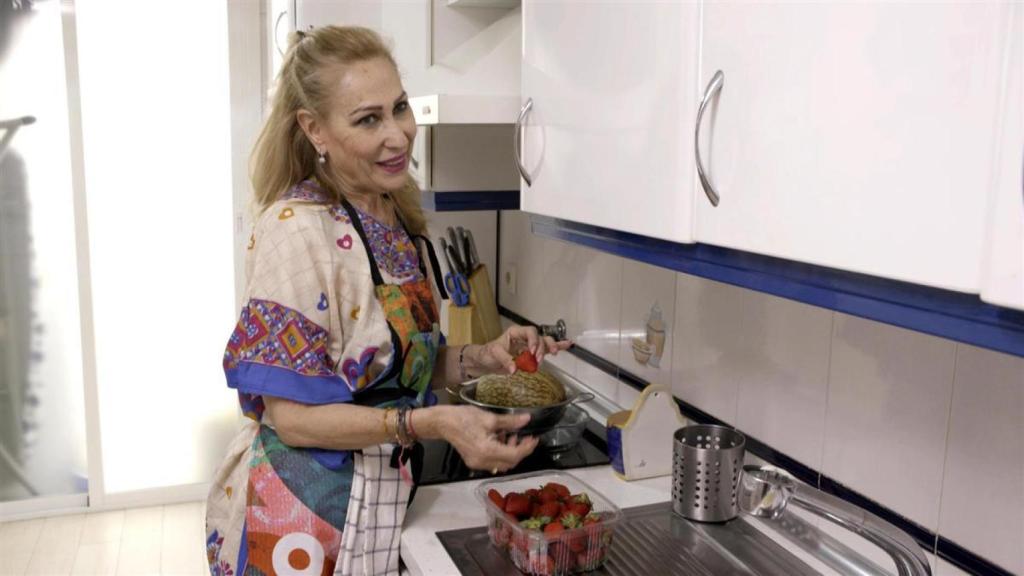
[[283, 156]]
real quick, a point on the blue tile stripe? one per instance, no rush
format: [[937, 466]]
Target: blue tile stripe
[[948, 550], [440, 201], [943, 313]]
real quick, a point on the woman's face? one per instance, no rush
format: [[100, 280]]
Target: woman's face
[[369, 129]]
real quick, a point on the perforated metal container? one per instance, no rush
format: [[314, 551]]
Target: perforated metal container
[[706, 465]]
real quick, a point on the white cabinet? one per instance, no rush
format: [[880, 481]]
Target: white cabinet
[[858, 136], [609, 137], [1003, 265]]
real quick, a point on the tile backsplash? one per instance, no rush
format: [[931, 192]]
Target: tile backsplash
[[928, 427]]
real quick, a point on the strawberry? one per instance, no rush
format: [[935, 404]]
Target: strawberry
[[548, 495], [526, 362], [560, 489], [502, 534], [517, 504], [535, 510], [570, 520], [534, 523], [553, 529], [533, 494], [549, 509], [565, 559], [497, 498], [592, 522], [590, 559], [578, 508], [542, 566]]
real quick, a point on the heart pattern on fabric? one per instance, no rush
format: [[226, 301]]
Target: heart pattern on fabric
[[345, 242], [322, 304], [355, 371]]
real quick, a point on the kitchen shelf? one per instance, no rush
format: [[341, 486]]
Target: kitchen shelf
[[953, 315], [439, 201], [436, 109], [483, 3]]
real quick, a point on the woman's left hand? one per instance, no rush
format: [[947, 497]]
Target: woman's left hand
[[499, 354]]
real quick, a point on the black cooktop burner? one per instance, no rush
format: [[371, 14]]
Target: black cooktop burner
[[442, 464]]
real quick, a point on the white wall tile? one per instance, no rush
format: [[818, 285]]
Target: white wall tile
[[943, 568], [598, 303], [708, 320], [643, 287], [983, 492], [888, 408], [781, 358], [627, 396], [563, 361], [599, 381], [546, 272]]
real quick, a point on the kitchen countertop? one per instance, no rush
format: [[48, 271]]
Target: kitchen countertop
[[452, 506], [442, 507]]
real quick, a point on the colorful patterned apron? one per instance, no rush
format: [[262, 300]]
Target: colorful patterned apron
[[297, 500]]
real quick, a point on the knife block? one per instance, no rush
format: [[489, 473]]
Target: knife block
[[477, 322]]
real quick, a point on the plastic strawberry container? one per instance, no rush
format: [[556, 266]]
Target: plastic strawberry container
[[574, 550]]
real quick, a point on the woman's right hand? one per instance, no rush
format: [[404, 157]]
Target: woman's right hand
[[483, 438]]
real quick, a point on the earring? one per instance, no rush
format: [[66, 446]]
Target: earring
[[322, 159]]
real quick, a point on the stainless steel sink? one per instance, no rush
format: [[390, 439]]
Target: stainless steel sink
[[653, 540]]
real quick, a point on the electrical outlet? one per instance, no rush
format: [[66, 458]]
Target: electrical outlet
[[510, 279]]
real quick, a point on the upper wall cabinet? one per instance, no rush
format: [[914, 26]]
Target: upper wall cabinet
[[1003, 271], [609, 101], [858, 136]]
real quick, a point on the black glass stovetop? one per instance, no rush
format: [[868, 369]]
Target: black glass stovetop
[[442, 464]]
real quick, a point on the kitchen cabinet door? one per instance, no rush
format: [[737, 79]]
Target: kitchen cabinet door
[[608, 139], [1003, 272], [858, 136]]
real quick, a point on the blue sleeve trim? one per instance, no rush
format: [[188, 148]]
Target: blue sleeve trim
[[261, 379]]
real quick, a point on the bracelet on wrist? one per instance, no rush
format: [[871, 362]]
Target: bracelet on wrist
[[402, 434], [462, 363]]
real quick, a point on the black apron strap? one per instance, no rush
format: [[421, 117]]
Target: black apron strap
[[353, 215], [435, 266]]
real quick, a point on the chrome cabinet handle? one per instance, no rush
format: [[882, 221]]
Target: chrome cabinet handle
[[518, 142], [277, 22], [713, 87]]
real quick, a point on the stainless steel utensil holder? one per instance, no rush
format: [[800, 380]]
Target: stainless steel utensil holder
[[706, 465]]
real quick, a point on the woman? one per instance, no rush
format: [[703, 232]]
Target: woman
[[337, 348]]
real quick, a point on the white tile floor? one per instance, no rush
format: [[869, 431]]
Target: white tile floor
[[164, 540]]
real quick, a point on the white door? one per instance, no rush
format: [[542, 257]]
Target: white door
[[858, 136], [1003, 273], [609, 138]]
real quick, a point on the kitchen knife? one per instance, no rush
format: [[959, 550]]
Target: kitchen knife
[[467, 257], [444, 250], [453, 242], [472, 249], [459, 266]]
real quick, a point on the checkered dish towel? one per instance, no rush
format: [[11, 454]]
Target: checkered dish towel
[[376, 510]]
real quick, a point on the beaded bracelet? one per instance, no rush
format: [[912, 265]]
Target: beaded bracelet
[[401, 429]]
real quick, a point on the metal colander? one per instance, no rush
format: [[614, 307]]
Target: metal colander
[[707, 462]]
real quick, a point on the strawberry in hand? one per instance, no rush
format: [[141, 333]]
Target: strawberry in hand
[[526, 362]]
